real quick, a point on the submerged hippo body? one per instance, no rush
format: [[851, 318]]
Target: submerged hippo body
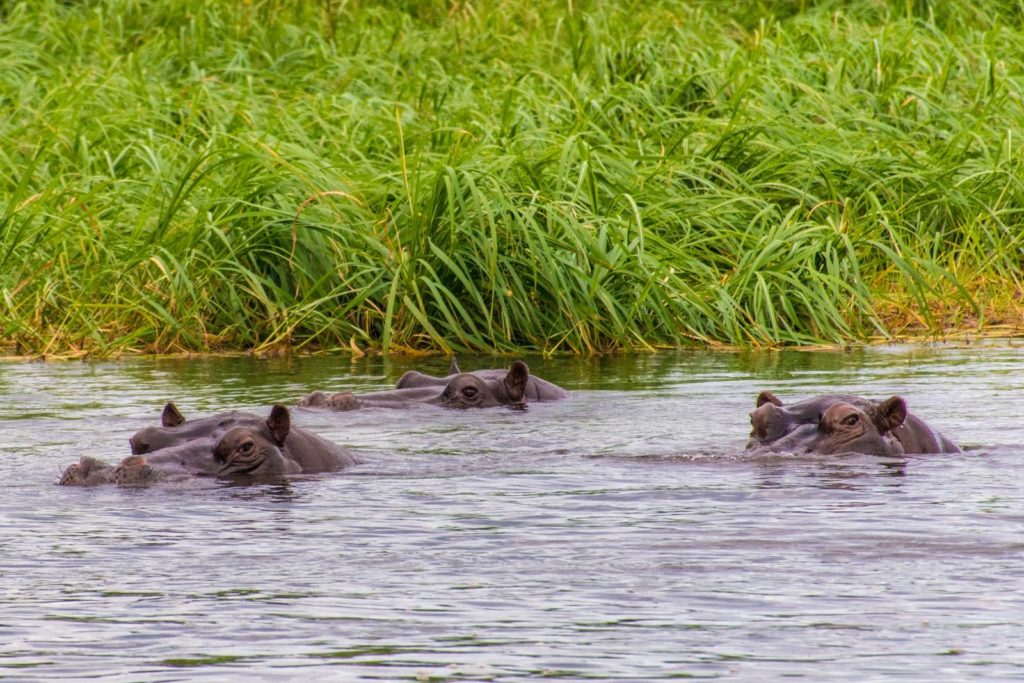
[[182, 448], [479, 389], [842, 424]]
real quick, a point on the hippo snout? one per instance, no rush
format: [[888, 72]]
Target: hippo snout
[[145, 440]]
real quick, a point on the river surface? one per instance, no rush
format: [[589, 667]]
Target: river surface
[[620, 535]]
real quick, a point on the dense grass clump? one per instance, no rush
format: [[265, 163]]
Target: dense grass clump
[[485, 175]]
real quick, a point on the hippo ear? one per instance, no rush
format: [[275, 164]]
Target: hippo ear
[[890, 414], [453, 367], [515, 381], [171, 417], [279, 423], [767, 397]]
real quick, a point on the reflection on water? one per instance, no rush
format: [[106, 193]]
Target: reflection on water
[[620, 535]]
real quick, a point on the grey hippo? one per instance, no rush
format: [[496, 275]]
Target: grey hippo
[[842, 424], [227, 445], [514, 387]]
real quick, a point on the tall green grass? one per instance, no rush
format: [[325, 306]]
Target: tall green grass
[[506, 175]]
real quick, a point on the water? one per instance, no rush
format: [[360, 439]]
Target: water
[[620, 535]]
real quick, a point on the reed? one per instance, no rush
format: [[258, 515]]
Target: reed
[[558, 176]]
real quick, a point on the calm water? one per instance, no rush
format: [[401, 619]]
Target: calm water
[[620, 535]]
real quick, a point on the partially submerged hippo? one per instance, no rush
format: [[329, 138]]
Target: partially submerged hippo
[[842, 424], [228, 445], [537, 389], [479, 389], [311, 452]]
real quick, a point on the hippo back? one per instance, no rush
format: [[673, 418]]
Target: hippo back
[[917, 436], [314, 453]]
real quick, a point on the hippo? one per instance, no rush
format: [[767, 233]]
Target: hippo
[[537, 389], [227, 445], [311, 452], [842, 424], [479, 389]]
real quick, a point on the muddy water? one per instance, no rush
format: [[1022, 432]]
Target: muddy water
[[620, 535]]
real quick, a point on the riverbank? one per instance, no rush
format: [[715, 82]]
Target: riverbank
[[219, 176]]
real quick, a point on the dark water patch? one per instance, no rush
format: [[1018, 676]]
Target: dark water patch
[[209, 660]]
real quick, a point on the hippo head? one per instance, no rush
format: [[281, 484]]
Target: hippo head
[[175, 430], [466, 390], [256, 451], [841, 427], [772, 420], [497, 386]]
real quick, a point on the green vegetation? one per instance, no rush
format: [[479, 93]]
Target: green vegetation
[[506, 174]]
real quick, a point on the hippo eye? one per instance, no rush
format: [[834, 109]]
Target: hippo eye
[[851, 420], [469, 392]]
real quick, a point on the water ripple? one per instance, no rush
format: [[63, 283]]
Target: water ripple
[[619, 535]]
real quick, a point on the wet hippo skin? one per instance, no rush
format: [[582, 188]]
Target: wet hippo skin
[[181, 448], [840, 424], [258, 451], [537, 389], [514, 387]]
